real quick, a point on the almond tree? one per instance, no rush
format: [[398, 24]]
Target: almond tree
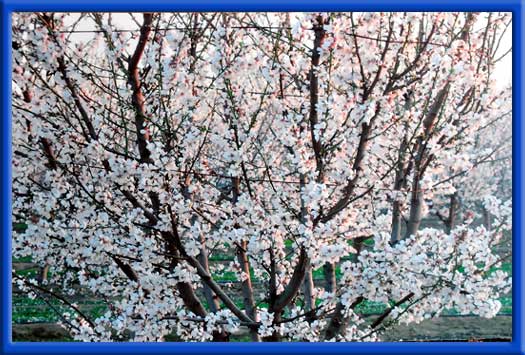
[[288, 143]]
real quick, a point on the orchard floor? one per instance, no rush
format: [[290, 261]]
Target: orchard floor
[[441, 329], [454, 329]]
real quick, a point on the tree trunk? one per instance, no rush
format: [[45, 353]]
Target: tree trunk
[[422, 161], [399, 183], [329, 277], [247, 289], [451, 220], [416, 205], [309, 297], [242, 258], [211, 298], [486, 219]]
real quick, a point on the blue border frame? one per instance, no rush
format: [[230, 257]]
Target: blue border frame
[[515, 6]]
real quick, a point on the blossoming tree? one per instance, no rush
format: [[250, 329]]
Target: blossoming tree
[[284, 143]]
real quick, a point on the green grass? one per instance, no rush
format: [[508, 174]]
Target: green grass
[[25, 259], [33, 272], [19, 227], [231, 276], [26, 309], [318, 274], [369, 307], [506, 267]]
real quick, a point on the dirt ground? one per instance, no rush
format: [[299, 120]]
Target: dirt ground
[[441, 329], [453, 329]]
